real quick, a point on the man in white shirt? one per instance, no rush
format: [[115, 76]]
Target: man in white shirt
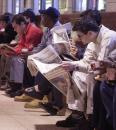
[[101, 37]]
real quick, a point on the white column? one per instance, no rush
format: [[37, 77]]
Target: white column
[[56, 4], [69, 5], [21, 5], [9, 6], [78, 5], [1, 6], [29, 4], [4, 9], [36, 6], [43, 4]]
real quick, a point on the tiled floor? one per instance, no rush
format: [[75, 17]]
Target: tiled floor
[[13, 116]]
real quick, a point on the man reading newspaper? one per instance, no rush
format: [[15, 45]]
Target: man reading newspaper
[[50, 19]]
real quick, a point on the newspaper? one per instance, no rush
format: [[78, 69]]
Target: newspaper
[[60, 35], [6, 47], [59, 78], [63, 81], [43, 62]]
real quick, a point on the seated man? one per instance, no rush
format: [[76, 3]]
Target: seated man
[[6, 38], [29, 36], [108, 87], [50, 19], [88, 31]]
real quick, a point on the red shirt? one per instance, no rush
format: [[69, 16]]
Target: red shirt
[[30, 39]]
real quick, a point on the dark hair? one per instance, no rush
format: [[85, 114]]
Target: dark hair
[[5, 18], [19, 19], [92, 14], [29, 14], [85, 25]]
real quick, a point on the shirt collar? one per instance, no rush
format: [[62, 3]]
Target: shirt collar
[[99, 37]]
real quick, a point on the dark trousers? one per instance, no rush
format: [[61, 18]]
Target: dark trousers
[[28, 79], [46, 87], [108, 95], [99, 112]]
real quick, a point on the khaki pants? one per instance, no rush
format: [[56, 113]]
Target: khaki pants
[[85, 83]]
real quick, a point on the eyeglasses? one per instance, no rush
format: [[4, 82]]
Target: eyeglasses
[[80, 35]]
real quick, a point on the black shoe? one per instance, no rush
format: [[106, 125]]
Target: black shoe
[[72, 121], [13, 87], [10, 90], [32, 93], [49, 108], [16, 93]]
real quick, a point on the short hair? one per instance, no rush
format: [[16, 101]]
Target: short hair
[[52, 13], [5, 18], [19, 18], [85, 25], [29, 14], [92, 14]]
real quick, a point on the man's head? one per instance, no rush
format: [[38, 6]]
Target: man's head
[[92, 14], [29, 15], [19, 24], [4, 20], [87, 30], [49, 16]]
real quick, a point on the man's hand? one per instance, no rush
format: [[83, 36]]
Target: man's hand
[[97, 66], [106, 64], [6, 52], [68, 66], [73, 50]]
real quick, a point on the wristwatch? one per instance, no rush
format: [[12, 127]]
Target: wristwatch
[[113, 65], [76, 68]]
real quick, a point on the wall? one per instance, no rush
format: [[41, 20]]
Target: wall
[[111, 5]]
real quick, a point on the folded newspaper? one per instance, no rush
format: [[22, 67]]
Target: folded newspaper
[[6, 47], [60, 34], [60, 37], [48, 63], [43, 60]]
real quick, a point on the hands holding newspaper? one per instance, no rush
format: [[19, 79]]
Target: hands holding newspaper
[[6, 49], [68, 66]]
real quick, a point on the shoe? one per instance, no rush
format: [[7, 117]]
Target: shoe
[[32, 93], [49, 108], [16, 93], [23, 98], [53, 110], [72, 120], [35, 103], [13, 87], [61, 112]]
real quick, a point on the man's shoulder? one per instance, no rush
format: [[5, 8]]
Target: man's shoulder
[[34, 29]]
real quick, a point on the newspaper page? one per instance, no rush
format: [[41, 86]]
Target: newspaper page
[[6, 47], [63, 81], [61, 38], [59, 78], [60, 35], [42, 61]]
